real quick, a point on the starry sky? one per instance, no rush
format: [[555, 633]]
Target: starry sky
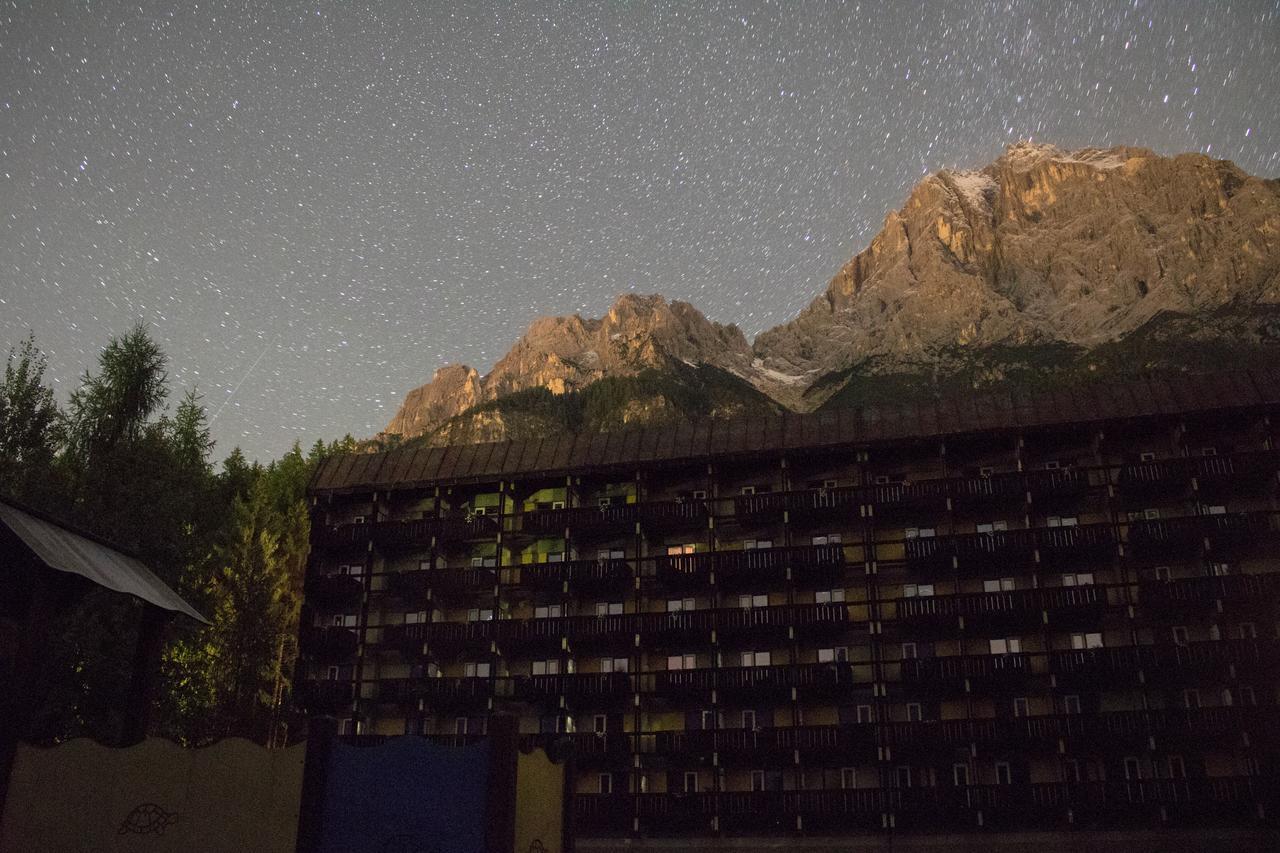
[[316, 205]]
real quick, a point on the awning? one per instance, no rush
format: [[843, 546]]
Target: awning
[[67, 551]]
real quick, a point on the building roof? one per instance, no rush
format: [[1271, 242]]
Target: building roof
[[567, 453], [66, 550]]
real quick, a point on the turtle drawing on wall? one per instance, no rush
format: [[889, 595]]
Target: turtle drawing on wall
[[147, 818]]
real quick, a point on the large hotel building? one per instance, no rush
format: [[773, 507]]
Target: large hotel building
[[1001, 615]]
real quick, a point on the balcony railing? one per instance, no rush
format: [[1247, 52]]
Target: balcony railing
[[329, 643], [438, 637], [335, 592], [579, 574], [325, 694], [422, 532], [951, 671], [441, 692], [581, 519], [1185, 593]]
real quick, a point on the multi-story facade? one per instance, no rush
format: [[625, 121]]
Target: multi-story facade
[[1047, 613]]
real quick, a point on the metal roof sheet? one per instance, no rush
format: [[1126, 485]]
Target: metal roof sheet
[[65, 550]]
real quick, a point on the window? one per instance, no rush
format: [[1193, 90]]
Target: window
[[359, 519], [748, 490], [483, 562], [1163, 573], [557, 504], [708, 720], [691, 782], [1132, 768], [998, 585], [1078, 579], [753, 544], [480, 614], [1247, 631], [1021, 707], [755, 659], [1004, 776], [460, 725], [839, 654], [1091, 640], [882, 480], [830, 484], [344, 620], [913, 590], [828, 539], [1063, 521], [1177, 767], [1215, 633], [1216, 509], [848, 777], [1006, 646], [675, 550], [960, 774], [1191, 698], [1208, 451], [993, 526], [699, 494], [476, 670], [757, 780], [611, 554], [1071, 770], [749, 720], [676, 605], [1147, 456], [828, 596], [1219, 569], [608, 608], [547, 611], [333, 673], [600, 723], [546, 667], [415, 618], [920, 533], [604, 503], [1179, 635], [746, 602], [606, 783], [908, 651], [681, 662], [914, 714], [902, 776], [986, 471], [1071, 704], [614, 664], [1247, 697], [355, 570], [864, 714], [1150, 514]]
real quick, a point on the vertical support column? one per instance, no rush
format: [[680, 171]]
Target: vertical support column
[[500, 808], [321, 734]]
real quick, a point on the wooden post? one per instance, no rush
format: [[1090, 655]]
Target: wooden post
[[18, 707], [321, 734], [142, 680], [500, 808]]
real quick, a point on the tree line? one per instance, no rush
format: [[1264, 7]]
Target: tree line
[[119, 461]]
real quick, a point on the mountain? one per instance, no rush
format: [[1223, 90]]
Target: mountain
[[1045, 265]]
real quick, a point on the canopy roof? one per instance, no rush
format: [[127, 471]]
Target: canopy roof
[[65, 550]]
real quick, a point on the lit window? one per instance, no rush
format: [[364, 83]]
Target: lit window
[[1006, 646], [997, 585], [1147, 456], [1216, 509], [839, 654], [756, 658], [748, 601], [480, 614], [993, 526], [1063, 521], [547, 611], [675, 605], [913, 590], [1078, 579], [676, 550], [828, 596], [1091, 640], [614, 664], [680, 661], [546, 667], [476, 670], [608, 608], [611, 554], [415, 618]]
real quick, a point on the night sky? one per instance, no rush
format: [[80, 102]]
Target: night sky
[[316, 205]]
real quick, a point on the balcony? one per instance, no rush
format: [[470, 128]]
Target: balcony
[[951, 673], [673, 515], [1165, 477], [1237, 473], [580, 575], [343, 537], [740, 569], [329, 644], [1060, 487], [1187, 595], [676, 630], [423, 532], [335, 592], [922, 497], [1012, 608], [971, 550], [441, 693], [603, 689], [439, 638], [1167, 536], [325, 695], [986, 493], [590, 749], [1076, 543], [581, 520]]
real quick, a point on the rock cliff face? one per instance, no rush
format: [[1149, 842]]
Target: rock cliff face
[[1025, 266], [566, 354], [1042, 245]]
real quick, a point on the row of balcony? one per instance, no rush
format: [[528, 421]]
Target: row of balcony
[[1232, 800], [1138, 480], [1169, 666], [836, 745]]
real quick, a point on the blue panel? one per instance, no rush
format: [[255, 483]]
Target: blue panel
[[405, 795]]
